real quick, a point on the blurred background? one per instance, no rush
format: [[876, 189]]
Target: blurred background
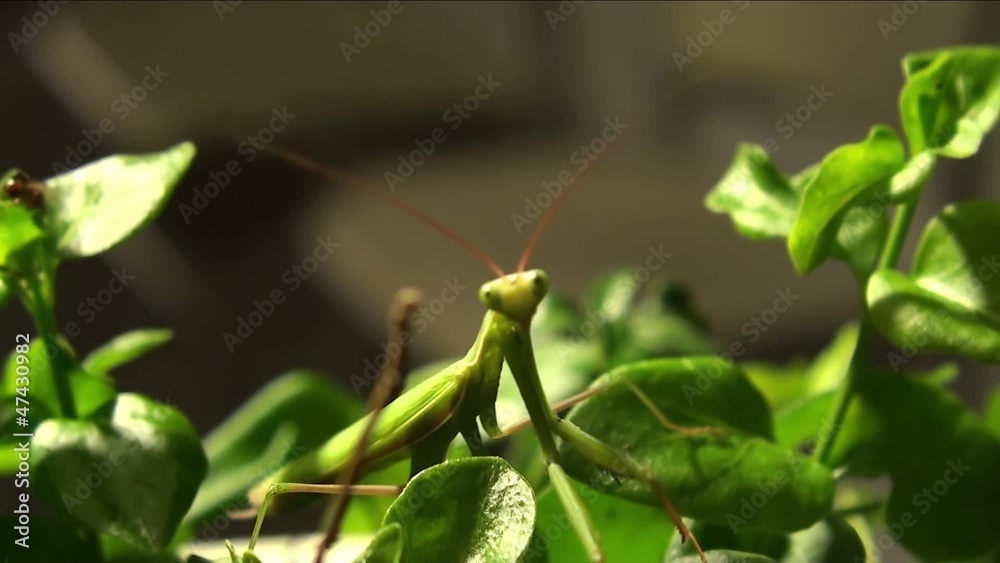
[[513, 90]]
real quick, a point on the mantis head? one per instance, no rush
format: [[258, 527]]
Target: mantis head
[[515, 295]]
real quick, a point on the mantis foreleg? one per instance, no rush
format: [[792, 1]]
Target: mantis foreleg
[[520, 356]]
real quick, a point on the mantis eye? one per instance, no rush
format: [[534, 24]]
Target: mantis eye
[[539, 284], [487, 297]]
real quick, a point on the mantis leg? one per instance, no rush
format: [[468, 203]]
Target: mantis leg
[[387, 387], [287, 488], [619, 462], [520, 356], [580, 520], [666, 422], [567, 403], [609, 458]]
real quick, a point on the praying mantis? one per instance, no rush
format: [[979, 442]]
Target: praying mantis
[[422, 422]]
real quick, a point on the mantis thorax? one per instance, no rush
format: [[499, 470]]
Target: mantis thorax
[[516, 295]]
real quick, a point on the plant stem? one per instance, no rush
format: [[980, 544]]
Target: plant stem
[[888, 258], [37, 290], [897, 235]]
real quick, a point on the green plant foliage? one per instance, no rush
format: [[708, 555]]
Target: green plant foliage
[[992, 415], [629, 531], [951, 300], [707, 475], [943, 460], [19, 229], [49, 540], [467, 509], [386, 546], [91, 390], [764, 204], [849, 176], [951, 99], [133, 476], [93, 208], [831, 540], [293, 414], [125, 348], [753, 474], [798, 380]]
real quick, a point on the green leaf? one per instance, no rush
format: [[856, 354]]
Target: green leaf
[[992, 414], [663, 324], [764, 204], [860, 237], [125, 348], [906, 185], [385, 547], [475, 508], [802, 420], [628, 531], [708, 476], [47, 540], [93, 208], [831, 540], [944, 463], [293, 414], [805, 419], [91, 391], [957, 257], [4, 292], [782, 385], [133, 476], [851, 175], [725, 556], [116, 550], [951, 301], [921, 321], [612, 295], [18, 227], [756, 195], [951, 99]]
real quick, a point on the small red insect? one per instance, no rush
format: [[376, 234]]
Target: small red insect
[[25, 190]]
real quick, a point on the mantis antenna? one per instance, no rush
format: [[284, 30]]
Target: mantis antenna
[[546, 218], [374, 191]]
